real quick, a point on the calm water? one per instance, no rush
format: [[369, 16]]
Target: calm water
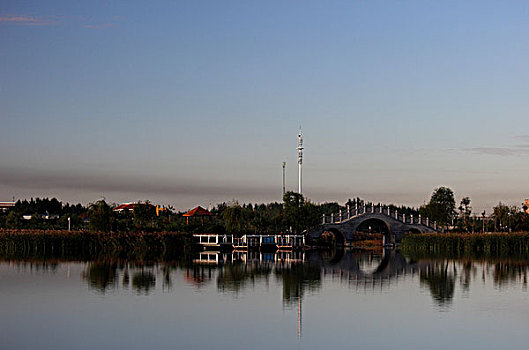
[[266, 301]]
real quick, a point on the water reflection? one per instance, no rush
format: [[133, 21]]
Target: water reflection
[[346, 288], [298, 279], [440, 280], [101, 276], [506, 273], [300, 272], [143, 281], [104, 276]]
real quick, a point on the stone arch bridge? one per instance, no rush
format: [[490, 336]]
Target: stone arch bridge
[[345, 223]]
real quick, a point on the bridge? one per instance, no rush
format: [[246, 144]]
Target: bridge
[[344, 224]]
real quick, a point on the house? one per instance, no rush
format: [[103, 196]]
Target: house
[[130, 206]]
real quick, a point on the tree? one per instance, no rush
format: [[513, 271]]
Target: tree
[[501, 214], [295, 211], [234, 220], [441, 207], [465, 210], [100, 216], [520, 220], [13, 220], [144, 214]]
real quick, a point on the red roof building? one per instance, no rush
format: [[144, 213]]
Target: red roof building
[[129, 206], [197, 212]]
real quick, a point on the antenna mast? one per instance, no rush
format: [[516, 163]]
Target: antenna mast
[[300, 159], [284, 165]]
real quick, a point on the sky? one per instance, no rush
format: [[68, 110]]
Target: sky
[[190, 103]]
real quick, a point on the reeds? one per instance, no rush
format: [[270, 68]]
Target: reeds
[[85, 245], [456, 245]]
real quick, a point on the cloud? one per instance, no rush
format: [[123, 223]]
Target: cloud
[[523, 137], [499, 151], [513, 150], [100, 26], [108, 23], [56, 20], [29, 21], [113, 183]]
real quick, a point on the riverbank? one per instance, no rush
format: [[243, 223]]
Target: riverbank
[[86, 245], [458, 245]]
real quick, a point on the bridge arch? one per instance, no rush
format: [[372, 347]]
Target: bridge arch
[[375, 224], [337, 235]]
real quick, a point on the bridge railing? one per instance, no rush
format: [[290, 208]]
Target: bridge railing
[[352, 212]]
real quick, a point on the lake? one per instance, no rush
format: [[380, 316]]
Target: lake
[[290, 300]]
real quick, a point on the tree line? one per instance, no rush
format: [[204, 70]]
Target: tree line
[[449, 216], [294, 215]]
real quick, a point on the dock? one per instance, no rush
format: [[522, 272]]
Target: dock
[[246, 242]]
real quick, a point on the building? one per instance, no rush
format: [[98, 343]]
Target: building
[[46, 216], [129, 206], [197, 212], [4, 206], [125, 207]]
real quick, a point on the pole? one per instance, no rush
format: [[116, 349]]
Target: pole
[[299, 312], [284, 165]]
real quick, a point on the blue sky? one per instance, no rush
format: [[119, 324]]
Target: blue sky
[[198, 102]]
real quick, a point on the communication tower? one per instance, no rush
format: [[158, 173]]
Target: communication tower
[[300, 159]]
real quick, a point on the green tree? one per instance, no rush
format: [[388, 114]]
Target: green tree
[[295, 211], [465, 210], [13, 220], [441, 207], [234, 218], [144, 214], [100, 216], [501, 214], [520, 220]]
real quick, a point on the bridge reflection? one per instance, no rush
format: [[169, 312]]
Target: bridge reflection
[[305, 272]]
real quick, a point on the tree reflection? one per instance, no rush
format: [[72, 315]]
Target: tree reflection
[[466, 275], [198, 275], [298, 278], [143, 282], [440, 282], [101, 276], [234, 277], [126, 279], [167, 282], [510, 272], [305, 272]]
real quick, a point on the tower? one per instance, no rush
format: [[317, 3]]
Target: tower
[[300, 159], [284, 165]]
